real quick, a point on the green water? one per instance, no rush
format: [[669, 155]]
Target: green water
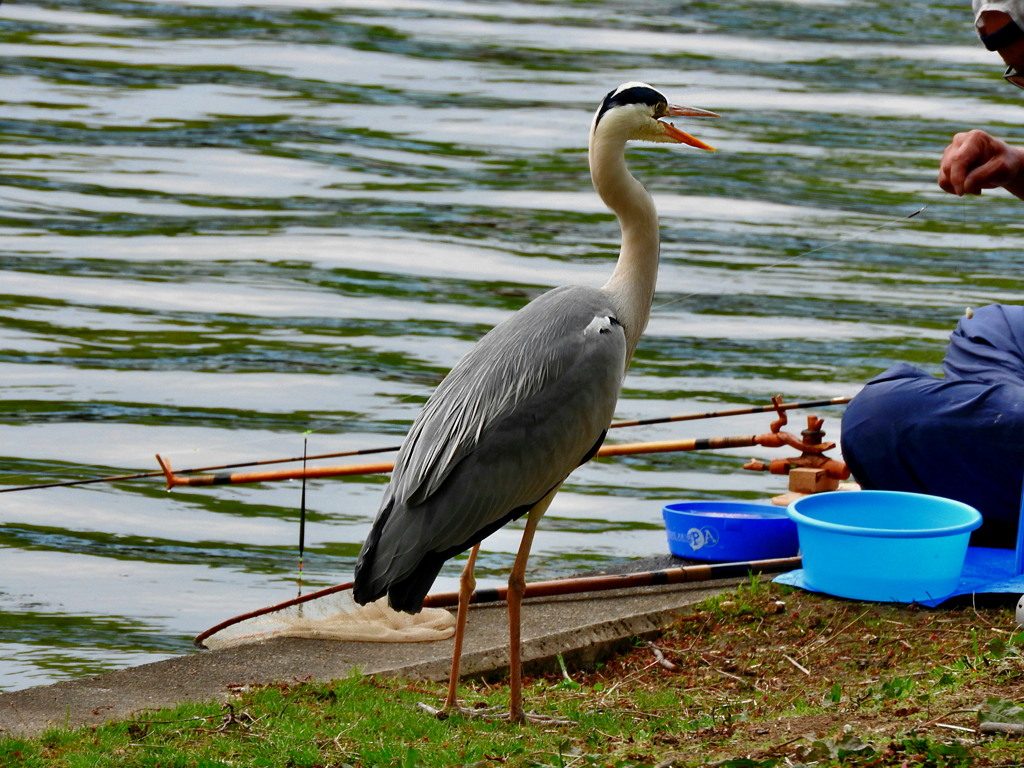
[[225, 225]]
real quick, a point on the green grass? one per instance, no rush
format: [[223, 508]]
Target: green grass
[[760, 677]]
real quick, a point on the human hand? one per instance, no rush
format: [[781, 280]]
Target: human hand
[[975, 161]]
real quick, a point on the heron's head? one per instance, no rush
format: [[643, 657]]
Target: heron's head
[[634, 112]]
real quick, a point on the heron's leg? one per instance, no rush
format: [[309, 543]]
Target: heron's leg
[[516, 587], [467, 583]]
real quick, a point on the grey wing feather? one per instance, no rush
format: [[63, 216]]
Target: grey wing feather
[[508, 424], [516, 361]]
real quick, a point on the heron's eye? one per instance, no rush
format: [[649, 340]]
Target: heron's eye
[[660, 109]]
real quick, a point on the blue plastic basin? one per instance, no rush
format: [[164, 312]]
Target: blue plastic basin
[[883, 545], [729, 531]]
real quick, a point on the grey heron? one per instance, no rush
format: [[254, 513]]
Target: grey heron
[[530, 402]]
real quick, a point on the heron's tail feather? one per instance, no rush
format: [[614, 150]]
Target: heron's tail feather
[[387, 565], [409, 593], [367, 584], [406, 594]]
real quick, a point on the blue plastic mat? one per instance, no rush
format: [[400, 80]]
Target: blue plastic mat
[[986, 571]]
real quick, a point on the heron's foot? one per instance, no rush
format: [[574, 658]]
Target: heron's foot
[[538, 719], [442, 713], [493, 713]]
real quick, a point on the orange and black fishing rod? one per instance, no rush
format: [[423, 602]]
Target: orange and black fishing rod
[[623, 449], [773, 407], [218, 467], [385, 466]]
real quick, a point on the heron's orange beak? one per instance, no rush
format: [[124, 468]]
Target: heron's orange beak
[[684, 138]]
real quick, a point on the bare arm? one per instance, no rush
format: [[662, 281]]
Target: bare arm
[[975, 161]]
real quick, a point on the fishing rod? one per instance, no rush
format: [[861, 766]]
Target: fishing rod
[[621, 449], [160, 472], [552, 588], [776, 407]]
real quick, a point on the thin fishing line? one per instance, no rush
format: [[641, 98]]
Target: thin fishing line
[[85, 468], [968, 309], [963, 223], [314, 430], [826, 246]]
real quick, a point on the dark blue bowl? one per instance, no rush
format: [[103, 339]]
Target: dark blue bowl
[[729, 531]]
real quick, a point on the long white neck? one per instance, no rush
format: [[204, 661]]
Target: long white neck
[[631, 286]]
